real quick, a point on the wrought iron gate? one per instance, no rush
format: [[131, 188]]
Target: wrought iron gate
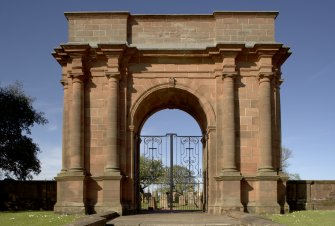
[[170, 173]]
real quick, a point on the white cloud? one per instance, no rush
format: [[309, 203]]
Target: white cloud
[[53, 127], [51, 162]]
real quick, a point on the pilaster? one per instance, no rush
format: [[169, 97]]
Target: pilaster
[[65, 150], [277, 81]]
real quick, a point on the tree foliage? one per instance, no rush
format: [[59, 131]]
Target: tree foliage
[[151, 171], [183, 179], [18, 152], [286, 154]]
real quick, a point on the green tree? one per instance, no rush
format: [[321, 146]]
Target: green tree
[[18, 152], [151, 171], [183, 180]]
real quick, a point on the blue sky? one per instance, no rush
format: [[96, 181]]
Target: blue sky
[[29, 30]]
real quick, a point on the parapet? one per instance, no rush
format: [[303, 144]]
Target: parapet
[[171, 31]]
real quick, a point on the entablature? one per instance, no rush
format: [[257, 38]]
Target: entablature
[[222, 58]]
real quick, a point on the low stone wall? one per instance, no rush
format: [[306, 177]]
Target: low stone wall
[[311, 194], [36, 195], [27, 195]]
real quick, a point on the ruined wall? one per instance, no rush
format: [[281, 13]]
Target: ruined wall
[[311, 194], [27, 195]]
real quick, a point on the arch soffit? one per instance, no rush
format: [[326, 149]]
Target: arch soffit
[[205, 104]]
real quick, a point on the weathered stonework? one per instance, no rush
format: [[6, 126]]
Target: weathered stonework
[[223, 69]]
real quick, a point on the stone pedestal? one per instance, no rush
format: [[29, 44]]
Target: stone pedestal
[[71, 194], [111, 194], [266, 195], [231, 193]]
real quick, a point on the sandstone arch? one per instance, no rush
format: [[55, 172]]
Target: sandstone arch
[[179, 96], [118, 69]]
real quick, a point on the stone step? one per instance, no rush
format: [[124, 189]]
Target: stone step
[[189, 219]]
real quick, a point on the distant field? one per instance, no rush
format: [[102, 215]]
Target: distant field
[[305, 218], [34, 218]]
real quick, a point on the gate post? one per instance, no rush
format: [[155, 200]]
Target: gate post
[[171, 171]]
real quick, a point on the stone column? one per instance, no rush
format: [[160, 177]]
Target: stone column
[[267, 184], [65, 127], [76, 162], [229, 180], [112, 157], [112, 175], [265, 130], [132, 166], [228, 125], [71, 186]]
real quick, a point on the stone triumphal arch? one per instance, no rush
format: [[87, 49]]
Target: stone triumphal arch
[[223, 69]]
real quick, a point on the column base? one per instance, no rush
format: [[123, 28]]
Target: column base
[[263, 209], [71, 193], [215, 210], [230, 183], [70, 208], [111, 192], [266, 195], [266, 172]]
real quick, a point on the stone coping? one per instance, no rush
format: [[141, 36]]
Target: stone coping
[[240, 44], [127, 13], [311, 181]]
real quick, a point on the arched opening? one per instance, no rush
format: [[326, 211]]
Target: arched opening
[[172, 98], [171, 163], [170, 151]]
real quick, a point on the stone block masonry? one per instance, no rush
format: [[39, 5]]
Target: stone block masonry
[[224, 69], [171, 31]]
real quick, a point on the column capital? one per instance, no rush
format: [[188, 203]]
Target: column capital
[[77, 77], [64, 82], [112, 75], [265, 77], [210, 129], [229, 75], [277, 82], [76, 71], [131, 128]]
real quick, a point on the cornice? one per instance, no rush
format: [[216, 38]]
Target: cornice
[[276, 51], [105, 14]]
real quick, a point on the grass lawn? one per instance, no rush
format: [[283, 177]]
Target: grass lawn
[[306, 218], [34, 218]]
